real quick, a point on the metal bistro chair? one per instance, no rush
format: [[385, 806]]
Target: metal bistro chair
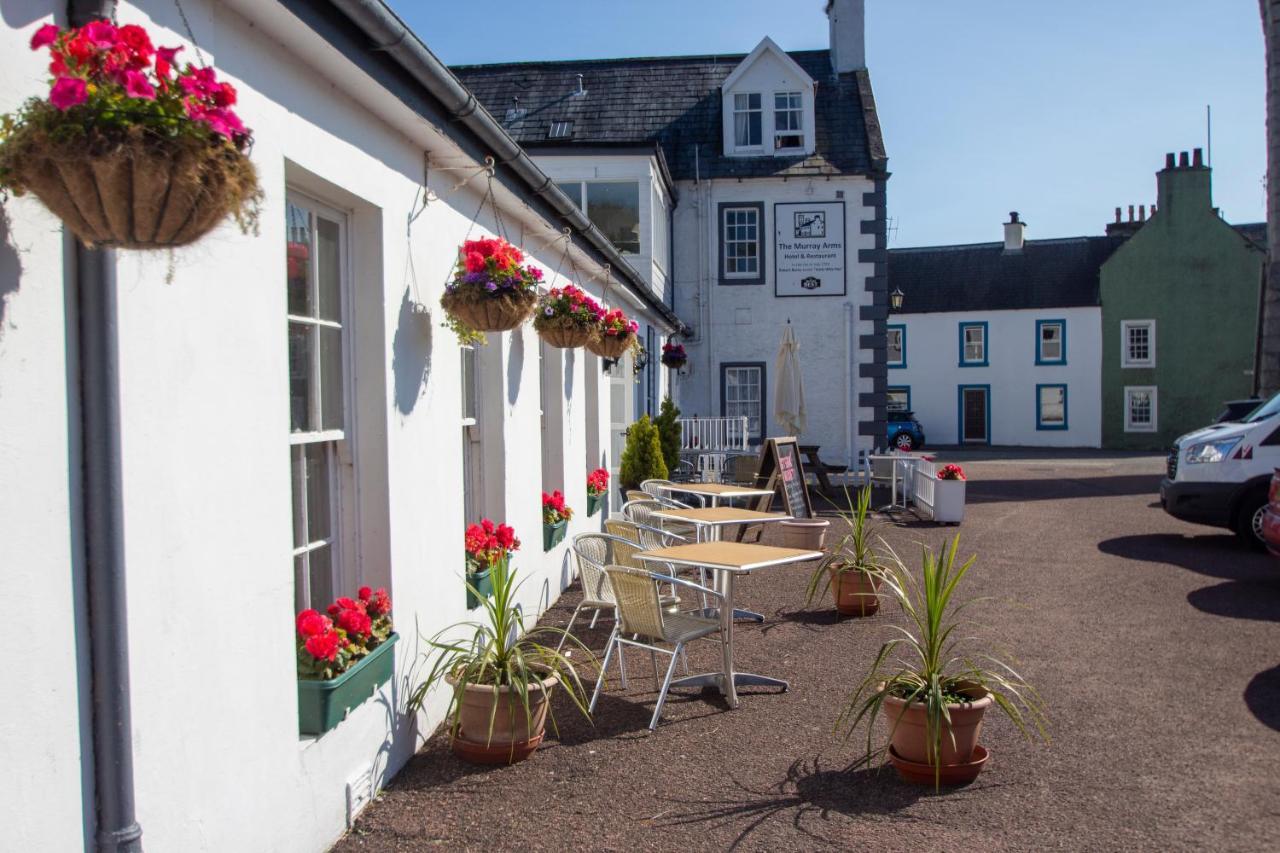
[[650, 487], [640, 614], [637, 495], [653, 490], [594, 551], [641, 512], [644, 538]]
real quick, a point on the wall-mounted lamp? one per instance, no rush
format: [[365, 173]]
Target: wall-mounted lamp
[[895, 299]]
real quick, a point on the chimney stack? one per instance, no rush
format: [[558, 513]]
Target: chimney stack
[[1184, 187], [1013, 229], [847, 21]]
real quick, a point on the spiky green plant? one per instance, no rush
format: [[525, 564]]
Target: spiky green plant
[[926, 665], [499, 653], [854, 551]]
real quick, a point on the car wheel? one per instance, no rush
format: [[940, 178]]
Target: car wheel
[[904, 441], [1249, 520]]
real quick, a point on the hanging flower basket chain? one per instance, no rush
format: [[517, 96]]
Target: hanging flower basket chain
[[129, 150]]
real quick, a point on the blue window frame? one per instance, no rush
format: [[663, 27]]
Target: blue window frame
[[1051, 341], [898, 398], [895, 336], [1051, 407], [973, 344], [961, 436]]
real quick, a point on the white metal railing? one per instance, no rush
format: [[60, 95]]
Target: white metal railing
[[926, 476], [713, 433]]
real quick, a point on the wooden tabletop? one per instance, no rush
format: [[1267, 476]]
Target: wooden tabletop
[[711, 516], [733, 556], [718, 489]]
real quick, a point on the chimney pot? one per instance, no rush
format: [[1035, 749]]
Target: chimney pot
[[1169, 161], [1197, 158], [1183, 160], [1117, 214], [1142, 213], [1130, 213]]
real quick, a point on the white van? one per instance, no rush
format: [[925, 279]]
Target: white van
[[1220, 475]]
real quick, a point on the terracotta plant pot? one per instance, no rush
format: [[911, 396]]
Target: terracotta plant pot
[[949, 774], [907, 724], [854, 592], [565, 337], [512, 730], [808, 534], [490, 314], [610, 346]]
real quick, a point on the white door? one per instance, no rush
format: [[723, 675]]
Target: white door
[[621, 408]]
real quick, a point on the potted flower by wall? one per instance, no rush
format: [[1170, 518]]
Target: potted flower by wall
[[567, 317], [129, 150], [674, 356], [487, 544], [615, 335], [491, 290], [641, 456], [597, 489], [501, 678], [932, 693], [555, 517], [948, 495], [852, 570], [343, 658]]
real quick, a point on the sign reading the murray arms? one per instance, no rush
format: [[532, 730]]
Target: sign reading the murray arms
[[809, 255]]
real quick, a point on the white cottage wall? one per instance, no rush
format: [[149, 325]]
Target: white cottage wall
[[933, 374], [744, 322], [205, 399]]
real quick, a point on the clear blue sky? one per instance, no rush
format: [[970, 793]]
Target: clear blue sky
[[1059, 110]]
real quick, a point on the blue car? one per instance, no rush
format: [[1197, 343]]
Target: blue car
[[905, 432]]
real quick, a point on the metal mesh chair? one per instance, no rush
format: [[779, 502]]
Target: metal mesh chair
[[651, 487], [637, 495], [640, 614], [594, 551], [641, 512]]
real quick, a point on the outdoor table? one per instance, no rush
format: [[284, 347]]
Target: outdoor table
[[713, 492], [728, 560], [713, 520]]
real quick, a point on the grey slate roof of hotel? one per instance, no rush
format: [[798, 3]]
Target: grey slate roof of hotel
[[674, 102]]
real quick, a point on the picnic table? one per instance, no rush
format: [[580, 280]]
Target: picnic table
[[820, 469]]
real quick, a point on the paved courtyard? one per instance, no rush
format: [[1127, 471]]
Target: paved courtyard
[[1155, 644]]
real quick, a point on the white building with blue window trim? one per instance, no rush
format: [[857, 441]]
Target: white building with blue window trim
[[1000, 343]]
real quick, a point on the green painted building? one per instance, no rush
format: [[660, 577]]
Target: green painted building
[[1179, 313]]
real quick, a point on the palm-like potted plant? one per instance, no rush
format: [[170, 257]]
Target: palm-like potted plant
[[486, 544], [567, 317], [555, 517], [501, 678], [852, 570], [933, 694]]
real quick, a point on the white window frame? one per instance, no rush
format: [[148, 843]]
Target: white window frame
[[755, 212], [794, 107], [1125, 327], [757, 434], [1061, 357], [747, 110], [1129, 425], [339, 444]]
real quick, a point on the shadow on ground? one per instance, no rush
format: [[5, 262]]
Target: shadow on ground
[[1059, 488], [1218, 555], [1262, 697]]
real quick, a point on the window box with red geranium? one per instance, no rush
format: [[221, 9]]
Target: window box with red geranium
[[491, 290], [615, 336], [555, 518], [948, 495], [130, 149], [343, 658], [567, 317], [487, 545], [597, 490]]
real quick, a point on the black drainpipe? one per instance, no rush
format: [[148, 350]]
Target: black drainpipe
[[118, 830]]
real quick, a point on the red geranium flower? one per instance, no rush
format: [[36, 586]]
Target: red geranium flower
[[354, 621], [325, 646], [311, 622]]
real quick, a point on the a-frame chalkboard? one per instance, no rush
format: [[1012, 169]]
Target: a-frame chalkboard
[[782, 471]]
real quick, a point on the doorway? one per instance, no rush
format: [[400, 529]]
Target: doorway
[[975, 414]]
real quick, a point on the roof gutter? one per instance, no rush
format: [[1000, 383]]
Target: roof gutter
[[391, 37]]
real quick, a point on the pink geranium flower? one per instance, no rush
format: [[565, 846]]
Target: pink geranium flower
[[100, 33], [137, 86], [46, 35], [67, 92]]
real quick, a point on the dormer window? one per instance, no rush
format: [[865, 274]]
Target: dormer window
[[788, 121], [748, 120]]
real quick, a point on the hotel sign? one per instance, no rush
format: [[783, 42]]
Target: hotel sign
[[809, 250]]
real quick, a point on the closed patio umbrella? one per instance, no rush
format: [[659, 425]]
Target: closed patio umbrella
[[788, 389]]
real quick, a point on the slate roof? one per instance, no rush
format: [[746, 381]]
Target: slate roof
[[674, 102], [1255, 233], [1062, 273]]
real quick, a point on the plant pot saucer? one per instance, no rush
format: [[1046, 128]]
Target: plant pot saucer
[[952, 774], [475, 752]]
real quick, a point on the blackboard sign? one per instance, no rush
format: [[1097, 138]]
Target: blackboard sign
[[782, 471]]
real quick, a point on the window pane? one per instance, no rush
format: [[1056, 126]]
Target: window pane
[[331, 377], [300, 348], [615, 210], [329, 269], [318, 509], [298, 259], [754, 128], [896, 400], [1053, 408], [321, 574], [573, 191], [895, 346], [299, 484], [301, 594]]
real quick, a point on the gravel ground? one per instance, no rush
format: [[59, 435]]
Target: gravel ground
[[1155, 645]]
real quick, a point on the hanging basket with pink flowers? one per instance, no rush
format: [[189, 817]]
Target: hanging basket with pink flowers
[[491, 291], [615, 335], [129, 150], [567, 317]]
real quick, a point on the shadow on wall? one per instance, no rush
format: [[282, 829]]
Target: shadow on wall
[[515, 364], [10, 267], [411, 354]]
